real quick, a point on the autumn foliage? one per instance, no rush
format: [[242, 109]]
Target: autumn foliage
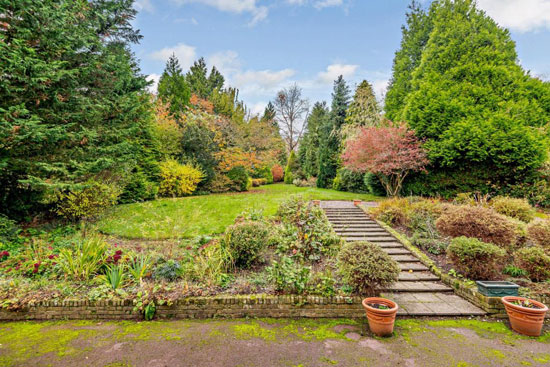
[[390, 152], [277, 172]]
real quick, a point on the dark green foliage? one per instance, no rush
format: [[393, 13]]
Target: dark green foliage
[[347, 180], [415, 37], [8, 230], [476, 260], [74, 104], [168, 270], [263, 172], [366, 267], [172, 87], [198, 79], [246, 241], [240, 179], [198, 145], [269, 114], [309, 146], [288, 276], [215, 79], [137, 189], [534, 261], [373, 184], [292, 168], [330, 134]]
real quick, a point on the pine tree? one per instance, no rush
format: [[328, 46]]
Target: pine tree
[[215, 80], [330, 134], [172, 87], [74, 105], [269, 114], [415, 37], [309, 146], [471, 100], [364, 109], [197, 79]]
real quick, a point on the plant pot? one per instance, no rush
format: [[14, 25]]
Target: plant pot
[[497, 289], [524, 320], [357, 202], [381, 321], [317, 202]]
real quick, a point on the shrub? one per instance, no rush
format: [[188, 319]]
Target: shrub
[[348, 180], [310, 182], [475, 259], [366, 267], [221, 183], [245, 242], [479, 222], [515, 208], [85, 259], [8, 230], [169, 270], [178, 180], [373, 184], [277, 172], [539, 232], [88, 202], [535, 262], [288, 276], [291, 168], [263, 172], [138, 189], [257, 182], [239, 177], [393, 211]]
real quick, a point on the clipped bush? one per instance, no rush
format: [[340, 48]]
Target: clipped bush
[[137, 189], [394, 211], [515, 208], [366, 267], [348, 180], [475, 259], [310, 182], [373, 184], [277, 172], [257, 182], [246, 241], [539, 232], [534, 261], [479, 222], [287, 276], [86, 202], [177, 179], [239, 177]]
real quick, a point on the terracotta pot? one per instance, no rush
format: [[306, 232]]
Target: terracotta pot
[[380, 321], [317, 202], [526, 321], [356, 202]]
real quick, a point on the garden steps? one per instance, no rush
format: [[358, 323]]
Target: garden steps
[[417, 291]]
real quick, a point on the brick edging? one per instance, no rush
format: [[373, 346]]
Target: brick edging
[[492, 305]]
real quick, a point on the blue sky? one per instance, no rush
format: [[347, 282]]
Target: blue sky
[[262, 46]]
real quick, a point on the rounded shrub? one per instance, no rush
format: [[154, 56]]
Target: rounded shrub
[[478, 222], [89, 201], [177, 179], [394, 211], [534, 261], [348, 180], [539, 232], [515, 208], [366, 267], [277, 172], [475, 259], [245, 242], [239, 177]]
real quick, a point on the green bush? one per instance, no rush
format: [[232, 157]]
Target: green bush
[[394, 211], [291, 169], [177, 179], [475, 259], [168, 270], [87, 202], [373, 184], [138, 189], [539, 233], [366, 267], [287, 276], [9, 230], [535, 262], [515, 208], [478, 222], [347, 180], [263, 172], [239, 178], [246, 241]]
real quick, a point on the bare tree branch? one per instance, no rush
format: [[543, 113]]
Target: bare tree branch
[[290, 108]]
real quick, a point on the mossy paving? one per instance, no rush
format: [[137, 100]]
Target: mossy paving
[[269, 342]]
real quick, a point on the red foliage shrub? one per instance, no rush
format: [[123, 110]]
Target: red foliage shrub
[[277, 172]]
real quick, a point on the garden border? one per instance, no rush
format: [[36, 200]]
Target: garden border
[[492, 305]]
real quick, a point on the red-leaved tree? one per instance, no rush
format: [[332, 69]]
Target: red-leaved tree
[[390, 152]]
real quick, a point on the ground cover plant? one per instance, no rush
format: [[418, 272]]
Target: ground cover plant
[[470, 238]]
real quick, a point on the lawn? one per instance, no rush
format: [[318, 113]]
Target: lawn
[[204, 215]]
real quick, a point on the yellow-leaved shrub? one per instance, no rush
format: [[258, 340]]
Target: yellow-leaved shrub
[[177, 179], [86, 202]]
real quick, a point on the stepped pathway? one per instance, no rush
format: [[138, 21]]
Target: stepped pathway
[[418, 292]]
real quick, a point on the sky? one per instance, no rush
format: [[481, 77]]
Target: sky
[[262, 46]]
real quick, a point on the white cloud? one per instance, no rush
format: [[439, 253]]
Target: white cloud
[[258, 13], [265, 80], [257, 109], [155, 79], [334, 71], [186, 54], [227, 62], [328, 3], [144, 5], [519, 15], [380, 87]]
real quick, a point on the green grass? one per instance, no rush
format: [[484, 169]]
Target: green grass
[[204, 215]]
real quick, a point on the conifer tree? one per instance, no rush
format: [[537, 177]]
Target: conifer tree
[[215, 80], [309, 146], [364, 109], [198, 79], [172, 87]]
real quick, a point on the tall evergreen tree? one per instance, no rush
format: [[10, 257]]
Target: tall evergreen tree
[[309, 146], [198, 79], [172, 87], [269, 114], [74, 104], [364, 110], [215, 80], [472, 101], [415, 37], [330, 134]]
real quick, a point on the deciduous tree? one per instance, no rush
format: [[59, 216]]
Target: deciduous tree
[[290, 109]]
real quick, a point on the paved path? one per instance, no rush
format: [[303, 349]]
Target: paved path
[[418, 292]]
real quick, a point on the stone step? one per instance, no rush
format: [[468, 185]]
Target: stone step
[[328, 210], [386, 245], [432, 304], [405, 258], [412, 266], [343, 218], [396, 251], [417, 276], [373, 239], [352, 233], [352, 221], [358, 226], [418, 286]]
